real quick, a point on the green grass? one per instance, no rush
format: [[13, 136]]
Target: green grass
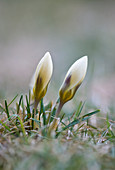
[[76, 143]]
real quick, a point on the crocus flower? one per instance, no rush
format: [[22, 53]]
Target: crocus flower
[[73, 79], [41, 79], [71, 83]]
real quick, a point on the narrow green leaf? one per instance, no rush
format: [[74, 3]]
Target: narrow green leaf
[[53, 114], [83, 118], [28, 108], [104, 133], [62, 117], [107, 121], [18, 108], [78, 110], [5, 126], [12, 100], [35, 120], [23, 107], [81, 108], [80, 127], [53, 111], [72, 124], [22, 126], [6, 109], [63, 123], [93, 127], [48, 119], [112, 133], [91, 113], [43, 110], [75, 122], [29, 96]]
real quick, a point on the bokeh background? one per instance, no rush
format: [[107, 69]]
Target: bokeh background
[[68, 29]]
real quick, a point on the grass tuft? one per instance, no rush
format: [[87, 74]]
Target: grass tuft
[[26, 135]]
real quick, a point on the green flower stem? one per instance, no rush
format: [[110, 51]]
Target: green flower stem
[[51, 128], [35, 106], [33, 115], [59, 109]]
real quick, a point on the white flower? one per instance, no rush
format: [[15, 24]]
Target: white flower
[[73, 79], [41, 78]]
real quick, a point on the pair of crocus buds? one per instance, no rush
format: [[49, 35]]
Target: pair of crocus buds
[[72, 81]]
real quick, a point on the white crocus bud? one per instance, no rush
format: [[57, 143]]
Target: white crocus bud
[[41, 79], [73, 79]]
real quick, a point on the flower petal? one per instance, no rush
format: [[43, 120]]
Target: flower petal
[[73, 79], [42, 77]]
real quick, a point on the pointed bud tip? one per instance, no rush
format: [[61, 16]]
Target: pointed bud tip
[[48, 59], [85, 58], [47, 54]]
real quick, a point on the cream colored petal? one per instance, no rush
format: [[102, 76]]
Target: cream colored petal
[[73, 79], [43, 72], [77, 72], [45, 69]]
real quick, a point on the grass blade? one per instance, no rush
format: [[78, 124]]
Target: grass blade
[[53, 114], [29, 96], [22, 126], [18, 108], [6, 109], [23, 108], [83, 118], [91, 113], [28, 108], [43, 111], [12, 100], [80, 108], [3, 124]]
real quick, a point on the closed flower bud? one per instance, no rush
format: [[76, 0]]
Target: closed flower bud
[[41, 78], [73, 79]]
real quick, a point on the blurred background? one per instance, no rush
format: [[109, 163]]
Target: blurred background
[[68, 30]]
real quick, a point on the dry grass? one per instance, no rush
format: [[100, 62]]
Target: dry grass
[[75, 144]]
